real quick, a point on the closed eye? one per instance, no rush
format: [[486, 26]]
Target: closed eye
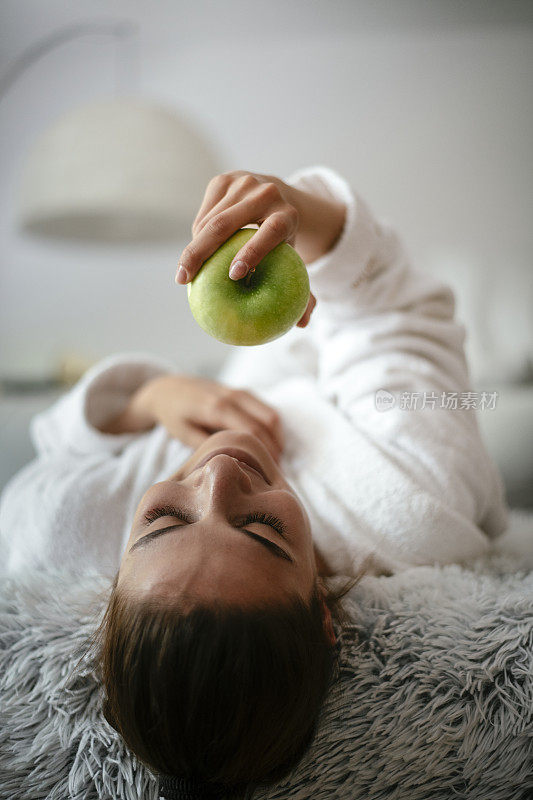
[[168, 511], [256, 516]]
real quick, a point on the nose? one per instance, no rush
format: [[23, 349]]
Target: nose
[[222, 477]]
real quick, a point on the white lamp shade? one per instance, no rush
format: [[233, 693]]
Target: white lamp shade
[[119, 170]]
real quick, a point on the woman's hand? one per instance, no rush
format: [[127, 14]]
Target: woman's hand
[[284, 214], [191, 409]]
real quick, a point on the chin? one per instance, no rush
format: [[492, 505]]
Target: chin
[[229, 436]]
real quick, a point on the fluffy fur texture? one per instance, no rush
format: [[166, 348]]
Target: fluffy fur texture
[[433, 698]]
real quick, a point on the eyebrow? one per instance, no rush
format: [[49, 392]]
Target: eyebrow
[[148, 538]]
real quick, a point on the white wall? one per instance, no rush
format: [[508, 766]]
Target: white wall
[[425, 107]]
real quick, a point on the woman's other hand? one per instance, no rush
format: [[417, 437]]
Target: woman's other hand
[[283, 213], [192, 408]]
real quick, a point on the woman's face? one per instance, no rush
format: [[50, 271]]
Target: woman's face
[[211, 540]]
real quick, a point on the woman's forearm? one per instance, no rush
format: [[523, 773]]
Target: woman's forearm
[[136, 417], [320, 224]]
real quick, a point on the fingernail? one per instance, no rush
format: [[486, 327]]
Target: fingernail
[[238, 270], [181, 275]]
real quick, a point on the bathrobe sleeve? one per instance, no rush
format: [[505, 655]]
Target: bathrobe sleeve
[[383, 329], [70, 425], [72, 506]]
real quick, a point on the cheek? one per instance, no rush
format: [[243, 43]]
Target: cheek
[[292, 511], [160, 494]]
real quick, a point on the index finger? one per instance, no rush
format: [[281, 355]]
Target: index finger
[[216, 189], [277, 228]]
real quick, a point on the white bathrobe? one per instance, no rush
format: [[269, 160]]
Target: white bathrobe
[[396, 487]]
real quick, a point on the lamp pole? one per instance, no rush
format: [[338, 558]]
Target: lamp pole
[[125, 33]]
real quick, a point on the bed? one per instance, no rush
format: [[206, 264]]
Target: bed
[[433, 696]]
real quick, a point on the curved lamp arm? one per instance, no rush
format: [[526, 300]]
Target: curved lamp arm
[[124, 32]]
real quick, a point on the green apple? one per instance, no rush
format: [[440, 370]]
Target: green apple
[[256, 309]]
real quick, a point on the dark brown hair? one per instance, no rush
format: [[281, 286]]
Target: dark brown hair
[[221, 693]]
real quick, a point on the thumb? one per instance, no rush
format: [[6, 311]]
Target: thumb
[[304, 320]]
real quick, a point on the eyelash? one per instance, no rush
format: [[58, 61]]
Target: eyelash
[[257, 516]]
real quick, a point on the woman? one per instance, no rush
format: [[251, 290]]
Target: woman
[[342, 448]]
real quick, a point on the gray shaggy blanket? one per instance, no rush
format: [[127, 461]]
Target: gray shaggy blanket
[[433, 699]]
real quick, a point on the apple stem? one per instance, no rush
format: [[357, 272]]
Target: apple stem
[[249, 275]]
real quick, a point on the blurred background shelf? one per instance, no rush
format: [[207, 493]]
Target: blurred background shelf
[[16, 411]]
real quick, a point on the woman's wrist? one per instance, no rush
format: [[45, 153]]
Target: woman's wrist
[[321, 222], [137, 416]]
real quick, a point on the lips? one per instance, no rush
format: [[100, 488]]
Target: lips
[[240, 455]]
